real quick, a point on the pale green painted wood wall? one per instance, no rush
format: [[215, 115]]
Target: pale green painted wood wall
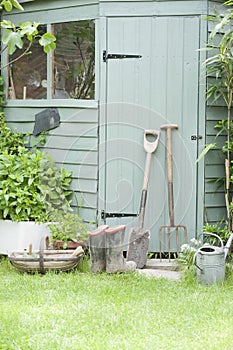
[[79, 143], [214, 202]]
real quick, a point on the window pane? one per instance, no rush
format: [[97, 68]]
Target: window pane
[[28, 75], [74, 60]]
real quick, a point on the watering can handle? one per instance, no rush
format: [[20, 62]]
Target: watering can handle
[[212, 234], [195, 261]]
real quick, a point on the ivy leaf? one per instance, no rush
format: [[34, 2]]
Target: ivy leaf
[[13, 40], [28, 28], [7, 24], [48, 42]]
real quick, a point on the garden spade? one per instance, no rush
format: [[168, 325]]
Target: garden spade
[[139, 237], [167, 228]]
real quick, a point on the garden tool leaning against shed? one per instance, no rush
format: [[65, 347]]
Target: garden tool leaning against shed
[[167, 228], [139, 237]]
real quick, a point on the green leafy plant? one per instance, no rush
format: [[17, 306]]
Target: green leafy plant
[[219, 69], [9, 142], [187, 252], [31, 186], [68, 227], [15, 35], [220, 229]]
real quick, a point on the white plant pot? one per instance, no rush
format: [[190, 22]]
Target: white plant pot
[[16, 236]]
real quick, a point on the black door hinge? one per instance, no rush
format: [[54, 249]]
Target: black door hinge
[[196, 137], [105, 215], [116, 56]]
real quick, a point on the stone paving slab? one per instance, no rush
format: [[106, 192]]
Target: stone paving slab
[[161, 269], [156, 273], [163, 264]]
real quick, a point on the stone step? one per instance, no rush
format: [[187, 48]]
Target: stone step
[[157, 273], [163, 264]]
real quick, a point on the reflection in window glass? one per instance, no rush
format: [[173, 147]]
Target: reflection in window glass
[[28, 75], [74, 60]]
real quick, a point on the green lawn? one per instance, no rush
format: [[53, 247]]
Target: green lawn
[[78, 310]]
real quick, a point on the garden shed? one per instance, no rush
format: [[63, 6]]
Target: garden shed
[[121, 67]]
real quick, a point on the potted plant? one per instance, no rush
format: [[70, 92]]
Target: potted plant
[[68, 231], [31, 189]]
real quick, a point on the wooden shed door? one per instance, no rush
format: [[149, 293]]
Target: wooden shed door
[[142, 93]]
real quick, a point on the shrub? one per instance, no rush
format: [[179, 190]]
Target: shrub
[[31, 186]]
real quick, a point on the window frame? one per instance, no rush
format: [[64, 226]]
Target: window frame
[[48, 18]]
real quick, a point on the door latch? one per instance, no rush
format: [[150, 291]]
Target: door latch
[[196, 137]]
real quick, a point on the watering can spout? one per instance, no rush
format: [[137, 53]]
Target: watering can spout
[[228, 245]]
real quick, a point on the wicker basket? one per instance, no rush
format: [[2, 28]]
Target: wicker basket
[[46, 260]]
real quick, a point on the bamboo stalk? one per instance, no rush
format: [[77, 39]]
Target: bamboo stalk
[[227, 175], [228, 210], [227, 172]]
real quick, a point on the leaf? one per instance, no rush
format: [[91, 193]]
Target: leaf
[[13, 40], [7, 24], [229, 2], [205, 151], [28, 28], [220, 25], [7, 5], [53, 195], [17, 5], [30, 181], [18, 210], [48, 42], [5, 212]]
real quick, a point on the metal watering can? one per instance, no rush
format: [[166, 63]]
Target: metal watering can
[[210, 261]]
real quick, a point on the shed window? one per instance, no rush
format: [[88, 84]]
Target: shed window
[[68, 73], [28, 75], [74, 60]]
